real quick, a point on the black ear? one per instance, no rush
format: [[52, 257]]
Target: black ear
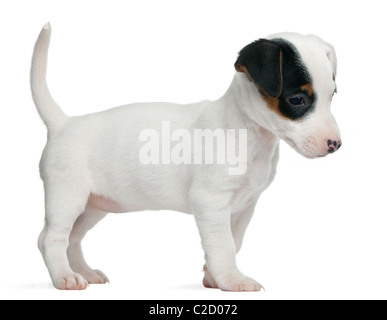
[[262, 63]]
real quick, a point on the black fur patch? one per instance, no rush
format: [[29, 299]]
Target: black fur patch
[[262, 59], [276, 68]]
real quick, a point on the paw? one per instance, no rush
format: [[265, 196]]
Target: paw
[[238, 283], [94, 276], [71, 282]]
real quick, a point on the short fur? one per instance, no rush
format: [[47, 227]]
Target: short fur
[[90, 165]]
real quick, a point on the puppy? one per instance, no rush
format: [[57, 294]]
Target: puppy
[[94, 164]]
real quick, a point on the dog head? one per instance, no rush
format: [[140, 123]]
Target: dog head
[[295, 76]]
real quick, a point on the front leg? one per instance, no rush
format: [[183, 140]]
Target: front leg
[[240, 222], [220, 251]]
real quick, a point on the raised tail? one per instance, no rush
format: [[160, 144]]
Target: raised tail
[[51, 114]]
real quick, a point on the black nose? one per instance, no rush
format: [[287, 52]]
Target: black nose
[[333, 145]]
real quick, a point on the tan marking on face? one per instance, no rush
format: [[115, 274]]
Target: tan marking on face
[[308, 89], [273, 104]]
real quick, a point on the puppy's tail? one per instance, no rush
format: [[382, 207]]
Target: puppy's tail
[[51, 114]]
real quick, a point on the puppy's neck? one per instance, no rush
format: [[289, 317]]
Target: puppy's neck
[[244, 107]]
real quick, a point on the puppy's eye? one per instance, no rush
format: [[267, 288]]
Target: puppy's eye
[[297, 100]]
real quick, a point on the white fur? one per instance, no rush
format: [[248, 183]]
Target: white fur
[[90, 166]]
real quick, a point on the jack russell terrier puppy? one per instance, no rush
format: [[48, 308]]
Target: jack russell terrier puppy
[[99, 163]]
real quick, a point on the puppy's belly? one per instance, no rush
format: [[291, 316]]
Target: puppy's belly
[[104, 204]]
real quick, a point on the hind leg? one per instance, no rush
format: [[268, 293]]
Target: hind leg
[[65, 201], [86, 221]]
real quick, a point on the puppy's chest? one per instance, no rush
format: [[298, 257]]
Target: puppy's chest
[[259, 175]]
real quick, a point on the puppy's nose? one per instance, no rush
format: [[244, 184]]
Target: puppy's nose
[[333, 145]]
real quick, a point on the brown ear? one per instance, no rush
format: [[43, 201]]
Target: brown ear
[[261, 61]]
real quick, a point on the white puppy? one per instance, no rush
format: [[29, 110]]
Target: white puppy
[[99, 163]]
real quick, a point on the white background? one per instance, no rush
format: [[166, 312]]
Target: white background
[[319, 232]]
